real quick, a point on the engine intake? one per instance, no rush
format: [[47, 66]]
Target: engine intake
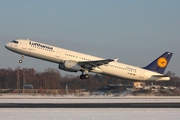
[[69, 65]]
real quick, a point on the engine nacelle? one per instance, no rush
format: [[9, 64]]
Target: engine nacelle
[[71, 66]]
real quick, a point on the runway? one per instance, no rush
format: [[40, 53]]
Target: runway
[[23, 101], [89, 105]]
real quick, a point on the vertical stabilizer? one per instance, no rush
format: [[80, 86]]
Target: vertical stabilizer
[[159, 65]]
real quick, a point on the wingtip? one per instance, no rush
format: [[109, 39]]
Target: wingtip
[[116, 59]]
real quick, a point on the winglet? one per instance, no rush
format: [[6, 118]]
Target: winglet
[[159, 65], [116, 59]]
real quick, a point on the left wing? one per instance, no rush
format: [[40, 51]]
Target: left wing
[[91, 64]]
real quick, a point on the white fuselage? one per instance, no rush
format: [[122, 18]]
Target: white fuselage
[[58, 55]]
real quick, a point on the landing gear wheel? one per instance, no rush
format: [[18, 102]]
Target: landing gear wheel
[[86, 76], [20, 61], [82, 77]]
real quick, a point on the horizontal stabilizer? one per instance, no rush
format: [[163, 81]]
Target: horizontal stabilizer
[[160, 75]]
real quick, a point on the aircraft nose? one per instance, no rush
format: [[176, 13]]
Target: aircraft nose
[[7, 45]]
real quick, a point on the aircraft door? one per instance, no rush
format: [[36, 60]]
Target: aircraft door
[[142, 74], [24, 46], [57, 53]]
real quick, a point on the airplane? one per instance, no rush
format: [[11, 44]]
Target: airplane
[[72, 61]]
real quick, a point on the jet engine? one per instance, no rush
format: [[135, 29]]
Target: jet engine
[[71, 66]]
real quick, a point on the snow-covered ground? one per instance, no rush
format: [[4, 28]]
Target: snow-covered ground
[[87, 113], [85, 99]]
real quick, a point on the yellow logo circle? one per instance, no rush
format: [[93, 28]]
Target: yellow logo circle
[[162, 62]]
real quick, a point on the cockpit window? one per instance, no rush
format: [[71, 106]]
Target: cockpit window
[[14, 41]]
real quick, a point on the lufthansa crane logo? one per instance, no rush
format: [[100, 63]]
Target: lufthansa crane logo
[[162, 62]]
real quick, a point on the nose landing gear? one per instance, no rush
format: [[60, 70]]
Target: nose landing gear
[[21, 60]]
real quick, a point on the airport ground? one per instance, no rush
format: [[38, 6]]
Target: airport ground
[[70, 107], [69, 101]]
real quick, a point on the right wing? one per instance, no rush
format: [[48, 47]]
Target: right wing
[[91, 64]]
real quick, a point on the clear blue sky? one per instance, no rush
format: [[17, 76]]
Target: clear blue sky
[[136, 32]]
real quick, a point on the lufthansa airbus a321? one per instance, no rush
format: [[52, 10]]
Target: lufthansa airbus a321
[[74, 61]]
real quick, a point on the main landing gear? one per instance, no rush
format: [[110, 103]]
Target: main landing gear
[[84, 76], [21, 60]]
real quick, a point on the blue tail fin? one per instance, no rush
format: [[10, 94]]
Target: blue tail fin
[[160, 64]]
